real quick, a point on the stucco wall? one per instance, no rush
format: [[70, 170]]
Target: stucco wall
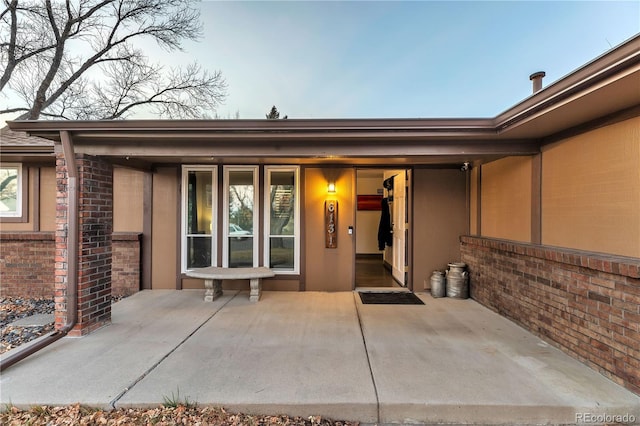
[[591, 190], [165, 240], [505, 199], [329, 269], [128, 190], [473, 201], [440, 217]]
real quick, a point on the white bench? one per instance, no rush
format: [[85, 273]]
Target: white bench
[[214, 275]]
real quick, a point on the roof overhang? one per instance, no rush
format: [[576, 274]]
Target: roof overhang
[[606, 86]]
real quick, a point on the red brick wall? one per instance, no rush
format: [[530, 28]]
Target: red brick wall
[[125, 270], [26, 264], [587, 304], [95, 223]]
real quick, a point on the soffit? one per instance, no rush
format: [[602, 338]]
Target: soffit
[[614, 94]]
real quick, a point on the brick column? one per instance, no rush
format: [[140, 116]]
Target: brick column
[[95, 223]]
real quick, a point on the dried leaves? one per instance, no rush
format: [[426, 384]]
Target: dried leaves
[[180, 415]]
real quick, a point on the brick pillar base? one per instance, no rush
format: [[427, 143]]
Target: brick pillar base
[[95, 223]]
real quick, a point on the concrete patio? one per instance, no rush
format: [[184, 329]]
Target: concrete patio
[[448, 361]]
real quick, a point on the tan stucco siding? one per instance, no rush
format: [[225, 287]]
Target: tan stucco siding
[[506, 199], [328, 269], [128, 199], [440, 217], [48, 188], [473, 202], [165, 241], [591, 190]]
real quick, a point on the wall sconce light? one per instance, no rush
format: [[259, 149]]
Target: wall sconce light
[[331, 188]]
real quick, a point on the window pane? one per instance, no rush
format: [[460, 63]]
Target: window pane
[[281, 252], [199, 204], [240, 252], [241, 200], [282, 199], [198, 252], [8, 191]]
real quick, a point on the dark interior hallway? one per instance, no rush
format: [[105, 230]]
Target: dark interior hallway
[[371, 272]]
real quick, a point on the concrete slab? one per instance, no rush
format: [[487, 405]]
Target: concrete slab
[[453, 361], [95, 369], [296, 353], [448, 361], [36, 320]]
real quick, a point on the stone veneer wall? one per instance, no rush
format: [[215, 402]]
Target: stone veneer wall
[[26, 264], [585, 303]]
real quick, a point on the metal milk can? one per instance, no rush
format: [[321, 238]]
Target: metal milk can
[[438, 285], [457, 281]]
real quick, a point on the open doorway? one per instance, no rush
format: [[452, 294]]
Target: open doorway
[[382, 228]]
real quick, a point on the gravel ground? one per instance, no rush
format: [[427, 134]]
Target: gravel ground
[[14, 308]]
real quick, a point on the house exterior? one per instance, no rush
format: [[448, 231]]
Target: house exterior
[[542, 202]]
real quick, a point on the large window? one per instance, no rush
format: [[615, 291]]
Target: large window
[[282, 223], [241, 214], [11, 190], [234, 226], [199, 219]]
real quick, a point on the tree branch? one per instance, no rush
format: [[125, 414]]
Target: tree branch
[[41, 48]]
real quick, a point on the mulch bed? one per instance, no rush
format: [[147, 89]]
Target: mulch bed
[[180, 415]]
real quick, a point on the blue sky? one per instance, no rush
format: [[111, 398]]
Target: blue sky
[[397, 58], [400, 59]]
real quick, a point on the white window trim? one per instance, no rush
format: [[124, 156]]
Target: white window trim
[[183, 213], [18, 212], [256, 212], [267, 215]]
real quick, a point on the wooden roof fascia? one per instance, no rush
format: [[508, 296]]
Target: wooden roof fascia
[[330, 148], [295, 124]]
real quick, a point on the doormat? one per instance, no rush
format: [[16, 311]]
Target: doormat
[[390, 298]]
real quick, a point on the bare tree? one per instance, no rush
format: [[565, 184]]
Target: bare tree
[[77, 59]]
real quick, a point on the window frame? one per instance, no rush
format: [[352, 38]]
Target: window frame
[[256, 212], [21, 213], [184, 211], [267, 217]]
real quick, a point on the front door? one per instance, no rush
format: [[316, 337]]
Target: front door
[[398, 217]]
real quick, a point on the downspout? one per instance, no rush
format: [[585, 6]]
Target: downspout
[[72, 259]]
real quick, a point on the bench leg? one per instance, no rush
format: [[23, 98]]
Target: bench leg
[[255, 284], [212, 290]]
